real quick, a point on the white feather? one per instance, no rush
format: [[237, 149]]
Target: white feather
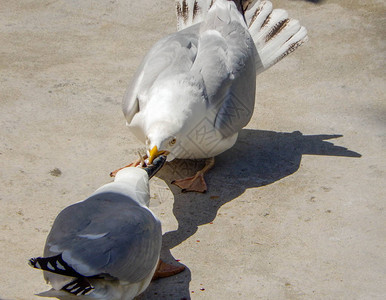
[[93, 236]]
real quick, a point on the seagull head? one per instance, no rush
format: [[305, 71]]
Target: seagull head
[[162, 139], [168, 118]]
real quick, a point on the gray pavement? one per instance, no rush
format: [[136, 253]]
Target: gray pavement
[[294, 211]]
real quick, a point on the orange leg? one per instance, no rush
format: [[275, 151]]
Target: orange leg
[[197, 182], [166, 270]]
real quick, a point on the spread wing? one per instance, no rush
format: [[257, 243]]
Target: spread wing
[[108, 234]]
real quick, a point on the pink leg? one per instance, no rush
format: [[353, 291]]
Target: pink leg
[[166, 270], [138, 161], [197, 182]]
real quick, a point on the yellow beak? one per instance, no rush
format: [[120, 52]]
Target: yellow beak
[[154, 153]]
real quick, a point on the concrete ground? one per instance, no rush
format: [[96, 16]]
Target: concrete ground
[[294, 211]]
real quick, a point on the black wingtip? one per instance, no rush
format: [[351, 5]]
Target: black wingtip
[[32, 262], [53, 264], [79, 287]]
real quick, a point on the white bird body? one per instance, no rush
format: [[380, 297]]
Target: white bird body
[[195, 89], [191, 113], [111, 241]]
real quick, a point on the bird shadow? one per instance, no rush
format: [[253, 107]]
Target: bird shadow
[[257, 159]]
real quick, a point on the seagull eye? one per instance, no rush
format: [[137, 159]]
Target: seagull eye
[[172, 142]]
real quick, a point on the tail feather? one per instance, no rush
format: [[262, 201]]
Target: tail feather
[[274, 53], [261, 34], [190, 12], [275, 35], [256, 13]]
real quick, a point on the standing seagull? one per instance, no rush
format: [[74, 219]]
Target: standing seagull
[[107, 246], [195, 89]]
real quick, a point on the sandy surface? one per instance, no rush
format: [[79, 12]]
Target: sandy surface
[[294, 211]]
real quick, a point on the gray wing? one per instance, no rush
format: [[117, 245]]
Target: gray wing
[[169, 56], [226, 61], [107, 233]]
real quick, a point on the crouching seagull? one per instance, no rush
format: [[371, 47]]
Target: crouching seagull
[[107, 246], [195, 89]]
